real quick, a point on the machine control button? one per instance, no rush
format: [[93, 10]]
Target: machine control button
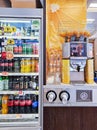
[[84, 96], [64, 96], [51, 96]]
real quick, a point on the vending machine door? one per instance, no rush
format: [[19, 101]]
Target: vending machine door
[[21, 43]]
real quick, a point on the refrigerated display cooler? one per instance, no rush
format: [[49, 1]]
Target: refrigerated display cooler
[[21, 43]]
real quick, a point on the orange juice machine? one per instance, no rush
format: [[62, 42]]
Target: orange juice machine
[[77, 87], [76, 56]]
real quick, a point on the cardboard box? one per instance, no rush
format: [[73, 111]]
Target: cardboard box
[[23, 3]]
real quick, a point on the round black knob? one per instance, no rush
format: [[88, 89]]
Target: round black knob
[[64, 96], [51, 96]]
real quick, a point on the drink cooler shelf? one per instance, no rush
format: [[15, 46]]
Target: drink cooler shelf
[[20, 37], [19, 116], [20, 92], [19, 74], [25, 55]]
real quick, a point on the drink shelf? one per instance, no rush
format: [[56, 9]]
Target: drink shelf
[[19, 37], [19, 74], [20, 92], [26, 55], [19, 116], [78, 58]]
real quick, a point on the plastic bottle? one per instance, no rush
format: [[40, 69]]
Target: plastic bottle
[[10, 104], [6, 86], [0, 104], [28, 103], [34, 103], [10, 83], [10, 66], [5, 104], [26, 81], [33, 65], [20, 49], [6, 65], [1, 83], [24, 48], [22, 104], [21, 84], [16, 104]]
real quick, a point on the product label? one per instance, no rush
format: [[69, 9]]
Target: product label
[[9, 56], [5, 73]]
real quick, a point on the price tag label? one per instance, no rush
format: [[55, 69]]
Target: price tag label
[[18, 116], [15, 93], [20, 92], [9, 56], [5, 73], [36, 93]]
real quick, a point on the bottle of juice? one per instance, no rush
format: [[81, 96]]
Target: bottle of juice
[[33, 65], [27, 65], [5, 104], [22, 65]]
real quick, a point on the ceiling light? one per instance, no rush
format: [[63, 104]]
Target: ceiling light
[[93, 5]]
